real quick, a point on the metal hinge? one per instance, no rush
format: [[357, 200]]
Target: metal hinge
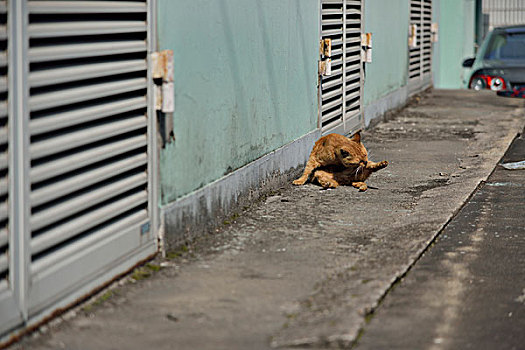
[[162, 71], [366, 45], [434, 29], [412, 36], [325, 51]]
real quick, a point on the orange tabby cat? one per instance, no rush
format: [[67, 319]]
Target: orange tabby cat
[[337, 160]]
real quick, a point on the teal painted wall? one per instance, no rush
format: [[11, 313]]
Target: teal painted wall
[[387, 20], [457, 28], [245, 84]]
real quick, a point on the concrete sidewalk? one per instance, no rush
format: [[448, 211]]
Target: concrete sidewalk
[[468, 290], [305, 266]]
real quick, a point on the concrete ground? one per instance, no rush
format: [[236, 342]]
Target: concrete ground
[[468, 290], [305, 267]]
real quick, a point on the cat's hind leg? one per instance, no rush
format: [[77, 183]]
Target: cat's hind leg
[[360, 185], [310, 167], [325, 179]]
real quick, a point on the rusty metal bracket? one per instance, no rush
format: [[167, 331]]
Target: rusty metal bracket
[[325, 52], [162, 72], [412, 36], [366, 46], [325, 47], [434, 29]]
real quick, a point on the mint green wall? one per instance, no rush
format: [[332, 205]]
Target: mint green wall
[[456, 20], [245, 84], [387, 20]]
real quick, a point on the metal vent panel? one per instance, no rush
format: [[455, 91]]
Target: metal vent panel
[[497, 13], [88, 124], [420, 57], [76, 205], [340, 93]]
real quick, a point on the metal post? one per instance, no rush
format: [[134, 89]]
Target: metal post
[[19, 211], [153, 149], [479, 22]]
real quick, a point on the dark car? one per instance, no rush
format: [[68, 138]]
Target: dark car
[[500, 62]]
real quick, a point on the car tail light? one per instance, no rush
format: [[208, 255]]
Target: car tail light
[[484, 81]]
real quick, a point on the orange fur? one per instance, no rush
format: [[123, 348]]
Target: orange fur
[[332, 177], [337, 160]]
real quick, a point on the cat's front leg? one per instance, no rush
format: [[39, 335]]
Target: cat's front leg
[[310, 166], [360, 185], [376, 166]]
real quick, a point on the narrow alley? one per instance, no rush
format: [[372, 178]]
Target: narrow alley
[[306, 267]]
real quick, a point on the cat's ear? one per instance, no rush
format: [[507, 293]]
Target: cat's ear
[[356, 137]]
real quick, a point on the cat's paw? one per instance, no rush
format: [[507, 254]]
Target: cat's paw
[[382, 164], [299, 182], [361, 186], [328, 184]]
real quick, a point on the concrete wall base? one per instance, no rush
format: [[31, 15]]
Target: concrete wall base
[[375, 110], [206, 208]]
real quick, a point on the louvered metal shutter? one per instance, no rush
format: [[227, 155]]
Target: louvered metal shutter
[[420, 60], [4, 151], [503, 13], [340, 93], [88, 148], [4, 170]]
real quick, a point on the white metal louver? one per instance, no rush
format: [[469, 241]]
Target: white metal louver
[[88, 104], [4, 152], [420, 59], [341, 92], [4, 160]]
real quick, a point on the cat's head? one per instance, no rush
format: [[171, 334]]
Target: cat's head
[[353, 154]]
